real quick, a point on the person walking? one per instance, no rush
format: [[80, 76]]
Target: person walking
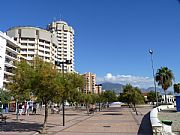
[[20, 109], [34, 108], [27, 108]]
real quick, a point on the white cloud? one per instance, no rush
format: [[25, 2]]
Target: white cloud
[[139, 81]]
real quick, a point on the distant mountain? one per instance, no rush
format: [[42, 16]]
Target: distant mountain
[[118, 88], [152, 88]]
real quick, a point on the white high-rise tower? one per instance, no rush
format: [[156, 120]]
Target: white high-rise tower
[[65, 49]]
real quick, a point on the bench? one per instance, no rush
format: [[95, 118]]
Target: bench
[[3, 118]]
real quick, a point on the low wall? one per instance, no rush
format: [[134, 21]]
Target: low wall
[[158, 127]]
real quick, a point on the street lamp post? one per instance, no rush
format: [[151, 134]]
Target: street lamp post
[[151, 52], [58, 63]]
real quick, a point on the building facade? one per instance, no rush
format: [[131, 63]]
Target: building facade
[[90, 82], [9, 55], [98, 89], [35, 42], [170, 99], [65, 49]]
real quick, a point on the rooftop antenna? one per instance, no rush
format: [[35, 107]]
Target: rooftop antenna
[[60, 15]]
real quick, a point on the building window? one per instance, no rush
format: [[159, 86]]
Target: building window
[[40, 40], [31, 39]]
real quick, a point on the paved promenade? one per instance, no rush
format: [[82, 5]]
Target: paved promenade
[[114, 121]]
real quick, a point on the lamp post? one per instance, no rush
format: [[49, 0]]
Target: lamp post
[[58, 63], [151, 53], [98, 85]]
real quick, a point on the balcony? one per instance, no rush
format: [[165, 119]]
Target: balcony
[[23, 52], [31, 52], [41, 53], [9, 64], [8, 73], [11, 57], [29, 58], [6, 81], [11, 50]]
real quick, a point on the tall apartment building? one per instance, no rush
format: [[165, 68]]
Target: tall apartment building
[[35, 42], [9, 51], [65, 36], [90, 81]]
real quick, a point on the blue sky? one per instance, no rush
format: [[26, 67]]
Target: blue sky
[[112, 37]]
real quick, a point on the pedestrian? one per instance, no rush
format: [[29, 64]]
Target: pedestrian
[[34, 108], [20, 109], [27, 108], [23, 111]]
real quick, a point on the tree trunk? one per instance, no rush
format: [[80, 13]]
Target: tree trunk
[[135, 109], [165, 97], [87, 107], [45, 118], [76, 107]]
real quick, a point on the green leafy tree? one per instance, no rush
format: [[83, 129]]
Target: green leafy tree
[[151, 96], [120, 98], [95, 98], [46, 84], [109, 96], [20, 87], [5, 96], [103, 100], [132, 96], [76, 98], [87, 100], [177, 88], [137, 98], [40, 78], [164, 77], [127, 93], [73, 85]]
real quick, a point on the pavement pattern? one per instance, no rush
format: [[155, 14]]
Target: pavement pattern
[[115, 120]]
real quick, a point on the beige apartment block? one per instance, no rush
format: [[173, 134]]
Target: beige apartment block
[[90, 81], [65, 49], [35, 42], [98, 89]]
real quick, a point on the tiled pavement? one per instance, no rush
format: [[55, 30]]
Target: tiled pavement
[[114, 121]]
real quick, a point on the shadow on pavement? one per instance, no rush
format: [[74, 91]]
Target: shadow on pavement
[[113, 114], [145, 126], [18, 126], [70, 114], [110, 111]]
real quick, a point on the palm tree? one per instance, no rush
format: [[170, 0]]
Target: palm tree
[[177, 88], [164, 78]]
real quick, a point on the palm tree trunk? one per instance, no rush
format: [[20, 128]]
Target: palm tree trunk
[[45, 118], [165, 97]]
